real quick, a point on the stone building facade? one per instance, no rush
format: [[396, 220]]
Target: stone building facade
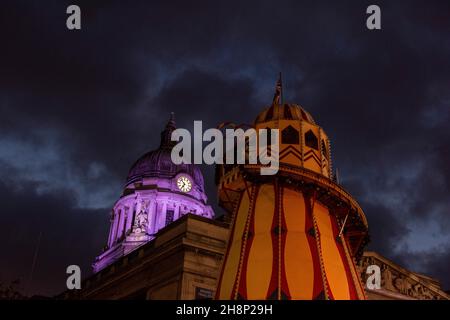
[[398, 283], [183, 261]]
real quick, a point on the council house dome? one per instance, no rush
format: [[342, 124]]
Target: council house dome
[[157, 192]]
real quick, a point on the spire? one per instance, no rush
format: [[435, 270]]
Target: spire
[[277, 98], [171, 120], [167, 133]]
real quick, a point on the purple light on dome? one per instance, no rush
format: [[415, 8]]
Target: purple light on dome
[[153, 198]]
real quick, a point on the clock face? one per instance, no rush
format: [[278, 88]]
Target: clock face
[[184, 184]]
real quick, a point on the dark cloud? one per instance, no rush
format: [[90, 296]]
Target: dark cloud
[[197, 95], [77, 108], [433, 263], [50, 226]]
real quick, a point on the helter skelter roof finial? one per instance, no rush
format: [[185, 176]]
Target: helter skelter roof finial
[[278, 92], [172, 118]]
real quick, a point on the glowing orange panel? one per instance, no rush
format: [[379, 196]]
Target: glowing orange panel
[[232, 262], [298, 258], [259, 267], [333, 264]]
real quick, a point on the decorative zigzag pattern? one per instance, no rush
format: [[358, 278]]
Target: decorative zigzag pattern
[[311, 154], [290, 150]]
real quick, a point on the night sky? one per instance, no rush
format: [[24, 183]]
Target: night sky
[[77, 108]]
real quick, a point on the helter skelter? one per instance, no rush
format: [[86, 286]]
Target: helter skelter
[[297, 234]]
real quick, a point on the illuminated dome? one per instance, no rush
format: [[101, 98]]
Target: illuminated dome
[[157, 192], [303, 143], [158, 163], [284, 112]]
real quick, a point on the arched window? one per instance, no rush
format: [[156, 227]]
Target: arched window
[[311, 140], [290, 135]]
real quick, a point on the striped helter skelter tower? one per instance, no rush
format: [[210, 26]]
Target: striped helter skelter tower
[[297, 234]]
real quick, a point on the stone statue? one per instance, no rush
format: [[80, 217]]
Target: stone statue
[[141, 219], [399, 284], [408, 287], [387, 279]]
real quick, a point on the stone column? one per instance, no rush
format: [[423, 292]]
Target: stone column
[[119, 218], [129, 218], [176, 214], [114, 227], [121, 223], [111, 229], [162, 216], [156, 216], [151, 217]]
